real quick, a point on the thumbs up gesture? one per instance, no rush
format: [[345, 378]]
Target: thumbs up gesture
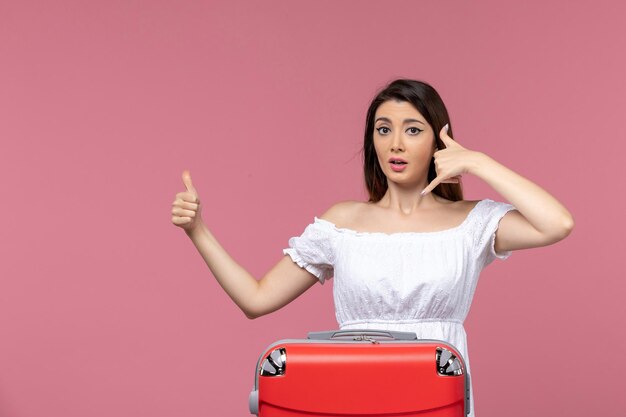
[[186, 207]]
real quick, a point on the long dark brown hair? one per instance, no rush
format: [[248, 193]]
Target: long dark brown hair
[[428, 102]]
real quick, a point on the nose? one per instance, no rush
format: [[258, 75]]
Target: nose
[[396, 143]]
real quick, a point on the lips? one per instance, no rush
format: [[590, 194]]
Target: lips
[[397, 164], [397, 161]]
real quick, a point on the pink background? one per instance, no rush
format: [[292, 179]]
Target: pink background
[[107, 309]]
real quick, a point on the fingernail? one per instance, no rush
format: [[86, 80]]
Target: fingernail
[[446, 127], [422, 193]]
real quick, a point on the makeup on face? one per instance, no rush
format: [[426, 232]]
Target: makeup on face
[[397, 164], [401, 137]]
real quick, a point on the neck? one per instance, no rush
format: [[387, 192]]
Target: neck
[[406, 200]]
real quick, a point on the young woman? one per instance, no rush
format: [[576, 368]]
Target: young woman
[[409, 258]]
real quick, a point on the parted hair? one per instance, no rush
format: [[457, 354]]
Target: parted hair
[[430, 105]]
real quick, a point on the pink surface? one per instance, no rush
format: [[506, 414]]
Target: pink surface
[[107, 309]]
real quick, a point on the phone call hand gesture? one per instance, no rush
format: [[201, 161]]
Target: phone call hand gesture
[[450, 162], [186, 207]]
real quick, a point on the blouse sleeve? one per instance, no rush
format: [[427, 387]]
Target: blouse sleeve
[[314, 250], [485, 231]]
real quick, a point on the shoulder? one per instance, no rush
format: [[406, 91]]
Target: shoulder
[[466, 204], [460, 206], [341, 212], [488, 215], [490, 205]]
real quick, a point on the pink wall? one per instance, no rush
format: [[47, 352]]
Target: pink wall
[[106, 308]]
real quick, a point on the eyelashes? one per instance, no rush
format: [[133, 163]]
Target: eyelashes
[[411, 128]]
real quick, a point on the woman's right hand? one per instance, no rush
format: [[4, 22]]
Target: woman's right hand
[[285, 282], [186, 207]]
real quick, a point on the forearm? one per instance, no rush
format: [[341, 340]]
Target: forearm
[[541, 209], [240, 285]]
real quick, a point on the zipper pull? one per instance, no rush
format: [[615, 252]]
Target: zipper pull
[[363, 337]]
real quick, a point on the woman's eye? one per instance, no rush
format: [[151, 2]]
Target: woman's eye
[[414, 130]]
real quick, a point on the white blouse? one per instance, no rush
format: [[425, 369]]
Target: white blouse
[[420, 282]]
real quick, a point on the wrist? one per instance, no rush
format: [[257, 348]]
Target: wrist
[[478, 162], [196, 231]]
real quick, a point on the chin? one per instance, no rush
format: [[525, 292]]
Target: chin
[[414, 181]]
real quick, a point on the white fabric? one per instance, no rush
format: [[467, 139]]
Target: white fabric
[[420, 282]]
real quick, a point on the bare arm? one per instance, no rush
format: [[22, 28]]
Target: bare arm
[[281, 285], [540, 219]]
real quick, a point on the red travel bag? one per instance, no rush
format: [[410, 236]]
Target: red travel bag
[[362, 374]]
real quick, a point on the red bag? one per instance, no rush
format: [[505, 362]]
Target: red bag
[[361, 375]]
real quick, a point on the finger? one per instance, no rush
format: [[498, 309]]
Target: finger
[[183, 213], [432, 185], [444, 131], [187, 197], [187, 182], [445, 138], [181, 220], [186, 205], [453, 180]]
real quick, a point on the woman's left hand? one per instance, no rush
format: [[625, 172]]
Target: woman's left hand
[[451, 162]]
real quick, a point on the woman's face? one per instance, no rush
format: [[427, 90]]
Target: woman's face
[[400, 131]]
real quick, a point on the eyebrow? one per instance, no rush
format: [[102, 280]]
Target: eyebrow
[[384, 119]]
